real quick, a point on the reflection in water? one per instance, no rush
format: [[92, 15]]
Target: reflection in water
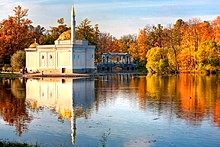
[[12, 104], [114, 110], [198, 96], [190, 97], [51, 93], [69, 98], [216, 114]]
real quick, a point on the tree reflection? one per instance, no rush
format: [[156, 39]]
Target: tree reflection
[[12, 105], [192, 104], [189, 97], [18, 88], [142, 92], [216, 115]]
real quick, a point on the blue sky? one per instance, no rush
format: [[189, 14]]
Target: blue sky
[[113, 16]]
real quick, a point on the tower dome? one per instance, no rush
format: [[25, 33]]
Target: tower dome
[[34, 45], [65, 35]]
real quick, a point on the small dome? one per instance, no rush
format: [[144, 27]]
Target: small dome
[[34, 45], [65, 35]]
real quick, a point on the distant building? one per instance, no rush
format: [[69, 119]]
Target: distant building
[[67, 55], [116, 62]]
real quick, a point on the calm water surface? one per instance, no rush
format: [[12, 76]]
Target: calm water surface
[[113, 110]]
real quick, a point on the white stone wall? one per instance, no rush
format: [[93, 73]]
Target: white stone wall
[[51, 59], [42, 59], [79, 58], [31, 61], [62, 57], [90, 57]]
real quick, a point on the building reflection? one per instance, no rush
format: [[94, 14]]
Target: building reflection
[[69, 98]]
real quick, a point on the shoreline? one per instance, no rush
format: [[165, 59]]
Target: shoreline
[[76, 75], [57, 75], [38, 75]]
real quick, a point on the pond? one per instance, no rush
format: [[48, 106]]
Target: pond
[[112, 110]]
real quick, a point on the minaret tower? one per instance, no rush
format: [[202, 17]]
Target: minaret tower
[[73, 25]]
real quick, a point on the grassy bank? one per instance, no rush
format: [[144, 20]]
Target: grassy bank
[[15, 144], [9, 75]]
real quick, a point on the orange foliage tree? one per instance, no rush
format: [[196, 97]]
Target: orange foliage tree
[[142, 44], [216, 29], [105, 43], [14, 34]]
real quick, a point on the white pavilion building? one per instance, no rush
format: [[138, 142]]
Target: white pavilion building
[[67, 55]]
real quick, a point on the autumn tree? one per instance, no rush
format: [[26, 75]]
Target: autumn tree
[[142, 44], [207, 56], [175, 43], [105, 43], [133, 50], [96, 34], [195, 33], [14, 34], [216, 29], [158, 31], [19, 15], [157, 61], [207, 32], [126, 41], [191, 34]]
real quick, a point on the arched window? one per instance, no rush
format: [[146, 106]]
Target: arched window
[[51, 56], [42, 57]]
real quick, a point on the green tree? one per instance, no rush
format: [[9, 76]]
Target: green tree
[[18, 60], [37, 32], [51, 35], [85, 31]]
